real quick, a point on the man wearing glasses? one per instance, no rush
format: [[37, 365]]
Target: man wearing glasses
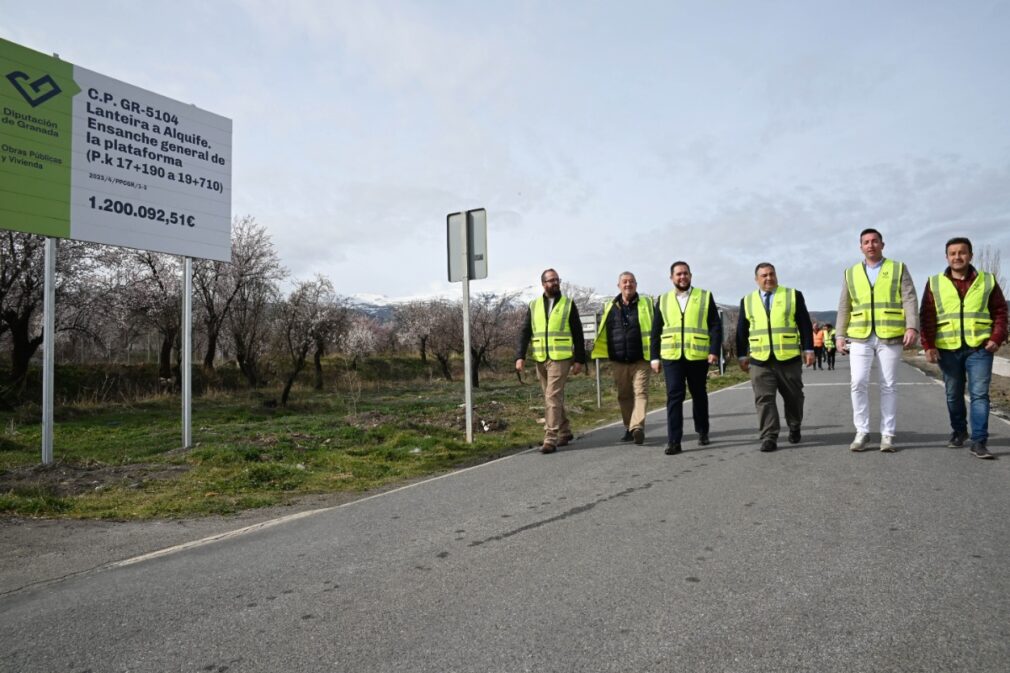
[[554, 331]]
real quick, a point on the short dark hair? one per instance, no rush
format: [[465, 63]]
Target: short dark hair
[[679, 262], [761, 266], [955, 241], [545, 273], [870, 230]]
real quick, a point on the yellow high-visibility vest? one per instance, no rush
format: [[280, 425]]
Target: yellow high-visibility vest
[[829, 340], [685, 333], [962, 321], [776, 333], [552, 338], [644, 322], [878, 308]]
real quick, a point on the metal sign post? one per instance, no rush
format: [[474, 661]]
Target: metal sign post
[[48, 348], [589, 323], [187, 354], [467, 255]]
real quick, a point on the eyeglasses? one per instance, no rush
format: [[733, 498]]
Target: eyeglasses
[[549, 281]]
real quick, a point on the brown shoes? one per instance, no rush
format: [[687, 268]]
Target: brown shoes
[[548, 448], [563, 440]]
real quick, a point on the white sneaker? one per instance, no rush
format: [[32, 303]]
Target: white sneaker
[[887, 443], [860, 442]]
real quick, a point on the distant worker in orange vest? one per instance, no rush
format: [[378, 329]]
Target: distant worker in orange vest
[[819, 334]]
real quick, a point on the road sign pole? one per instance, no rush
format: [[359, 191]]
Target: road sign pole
[[467, 364], [187, 354], [48, 348], [599, 395]]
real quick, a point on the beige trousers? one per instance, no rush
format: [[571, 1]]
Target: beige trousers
[[552, 376], [632, 381]]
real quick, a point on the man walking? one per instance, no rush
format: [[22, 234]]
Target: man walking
[[773, 333], [623, 338], [829, 345], [878, 312], [964, 320], [553, 327], [686, 338]]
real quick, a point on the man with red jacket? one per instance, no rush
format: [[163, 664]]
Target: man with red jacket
[[963, 319]]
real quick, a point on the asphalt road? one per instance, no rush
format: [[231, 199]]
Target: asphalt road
[[601, 557]]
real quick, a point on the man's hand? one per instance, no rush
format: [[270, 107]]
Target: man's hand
[[841, 345], [911, 336], [712, 359], [808, 358], [744, 364], [932, 355], [519, 364], [577, 368], [655, 366]]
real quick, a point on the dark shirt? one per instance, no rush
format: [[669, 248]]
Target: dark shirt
[[802, 323], [927, 312], [624, 333], [714, 329], [574, 324]]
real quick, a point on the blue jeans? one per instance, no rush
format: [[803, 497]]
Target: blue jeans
[[976, 365]]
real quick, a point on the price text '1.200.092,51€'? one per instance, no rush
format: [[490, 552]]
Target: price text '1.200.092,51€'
[[143, 212]]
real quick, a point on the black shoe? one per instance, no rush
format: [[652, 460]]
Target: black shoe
[[627, 436], [979, 451], [703, 439], [672, 449], [795, 436], [639, 435], [769, 445], [957, 439]]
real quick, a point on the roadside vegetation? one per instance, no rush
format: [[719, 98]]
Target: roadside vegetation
[[374, 426]]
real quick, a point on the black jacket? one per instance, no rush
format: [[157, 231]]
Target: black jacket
[[714, 329], [574, 324], [802, 322], [624, 333]]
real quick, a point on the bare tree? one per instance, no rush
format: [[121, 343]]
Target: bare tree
[[414, 323], [988, 259], [217, 285], [334, 323], [584, 297], [446, 336], [22, 279], [363, 337], [495, 321], [154, 296], [299, 319]]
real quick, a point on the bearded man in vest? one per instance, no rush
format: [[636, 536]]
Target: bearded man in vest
[[686, 338], [553, 328], [775, 339], [623, 338], [878, 313], [964, 321]]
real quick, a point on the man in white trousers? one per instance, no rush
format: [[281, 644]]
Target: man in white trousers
[[878, 314]]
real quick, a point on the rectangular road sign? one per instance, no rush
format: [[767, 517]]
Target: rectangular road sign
[[466, 238], [91, 158]]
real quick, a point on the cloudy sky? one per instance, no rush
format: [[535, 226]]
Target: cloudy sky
[[600, 136]]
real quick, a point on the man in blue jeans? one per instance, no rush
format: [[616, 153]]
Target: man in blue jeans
[[963, 319]]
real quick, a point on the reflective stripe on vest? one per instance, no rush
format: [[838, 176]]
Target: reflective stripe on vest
[[829, 340], [644, 323], [552, 338], [685, 333], [962, 321], [779, 335], [877, 309]]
